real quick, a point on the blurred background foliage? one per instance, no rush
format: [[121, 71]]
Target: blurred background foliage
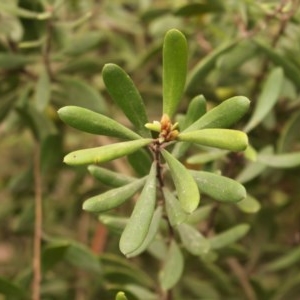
[[51, 55]]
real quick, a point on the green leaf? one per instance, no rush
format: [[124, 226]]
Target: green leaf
[[228, 139], [175, 213], [138, 225], [290, 69], [267, 98], [202, 69], [286, 160], [13, 9], [105, 153], [43, 91], [203, 158], [140, 161], [249, 205], [197, 9], [153, 228], [113, 223], [173, 267], [287, 260], [224, 115], [218, 187], [126, 96], [200, 214], [77, 92], [88, 121], [186, 187], [229, 236], [174, 70], [121, 296], [193, 240], [10, 289], [11, 61], [53, 253], [112, 198], [109, 177]]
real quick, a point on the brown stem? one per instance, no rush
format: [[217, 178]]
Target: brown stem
[[38, 225]]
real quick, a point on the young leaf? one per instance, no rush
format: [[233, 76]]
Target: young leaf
[[186, 187], [174, 70], [229, 236], [193, 240], [104, 153], [175, 213], [126, 96], [112, 198], [173, 267], [153, 228], [228, 139], [88, 121], [267, 98], [224, 115], [109, 177], [218, 187], [138, 225]]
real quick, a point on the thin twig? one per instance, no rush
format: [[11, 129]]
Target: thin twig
[[38, 225]]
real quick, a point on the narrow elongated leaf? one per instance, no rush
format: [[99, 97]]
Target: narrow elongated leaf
[[126, 96], [218, 187], [229, 236], [186, 187], [193, 240], [43, 91], [113, 223], [224, 115], [173, 267], [228, 139], [286, 160], [267, 98], [174, 70], [109, 177], [153, 228], [112, 198], [206, 157], [14, 61], [202, 69], [13, 9], [249, 205], [104, 153], [176, 214], [88, 121], [138, 225]]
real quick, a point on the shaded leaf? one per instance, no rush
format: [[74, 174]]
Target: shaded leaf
[[13, 9], [140, 161], [200, 214], [173, 267], [138, 225], [9, 289], [112, 198], [175, 213], [126, 96], [199, 8], [249, 205], [224, 115], [203, 158], [286, 160], [228, 139], [193, 240], [88, 121], [42, 91], [229, 236], [109, 177], [174, 70], [114, 223], [186, 187], [267, 98], [104, 153]]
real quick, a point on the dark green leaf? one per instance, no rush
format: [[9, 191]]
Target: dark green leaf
[[10, 289], [195, 9], [140, 161]]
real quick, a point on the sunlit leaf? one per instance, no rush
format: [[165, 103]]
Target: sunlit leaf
[[267, 98], [186, 187], [228, 139], [174, 70], [105, 153], [229, 236], [138, 225], [224, 115], [173, 267], [88, 121], [126, 96], [121, 296], [113, 197], [193, 240]]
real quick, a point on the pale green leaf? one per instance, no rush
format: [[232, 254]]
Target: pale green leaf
[[186, 187], [174, 70], [138, 225], [104, 153], [286, 160], [42, 91], [112, 198], [249, 205]]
